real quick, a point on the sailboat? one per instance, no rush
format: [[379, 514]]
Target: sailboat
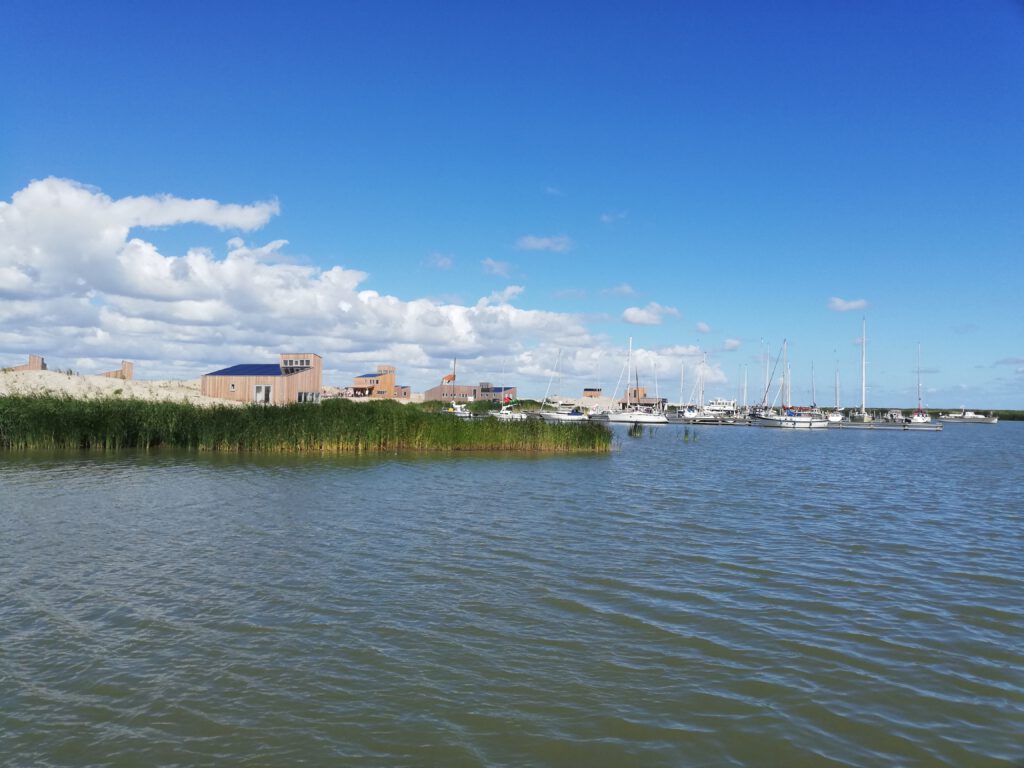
[[835, 416], [563, 410], [919, 416], [862, 416], [790, 417], [634, 413]]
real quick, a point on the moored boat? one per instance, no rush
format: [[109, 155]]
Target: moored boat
[[633, 412], [967, 417], [789, 416], [505, 413]]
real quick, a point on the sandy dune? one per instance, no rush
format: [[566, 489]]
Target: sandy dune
[[90, 387]]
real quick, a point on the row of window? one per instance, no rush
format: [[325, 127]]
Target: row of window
[[297, 363]]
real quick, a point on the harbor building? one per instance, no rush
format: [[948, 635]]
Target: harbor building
[[35, 363], [592, 391], [296, 378], [638, 396], [125, 372], [464, 393], [380, 385]]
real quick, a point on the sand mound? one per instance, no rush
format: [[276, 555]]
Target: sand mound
[[91, 387]]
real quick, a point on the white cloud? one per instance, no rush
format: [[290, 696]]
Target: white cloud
[[703, 327], [731, 345], [78, 281], [652, 314], [556, 243], [500, 268], [610, 217], [553, 191], [502, 297], [843, 305], [440, 261], [622, 289]]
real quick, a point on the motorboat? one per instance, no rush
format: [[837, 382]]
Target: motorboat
[[505, 413], [967, 417]]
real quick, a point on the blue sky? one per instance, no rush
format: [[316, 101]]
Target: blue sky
[[508, 180]]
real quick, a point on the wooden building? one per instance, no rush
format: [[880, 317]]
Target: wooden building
[[380, 385], [297, 378], [126, 371], [464, 393], [35, 363]]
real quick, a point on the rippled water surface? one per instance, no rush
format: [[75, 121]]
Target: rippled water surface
[[748, 597]]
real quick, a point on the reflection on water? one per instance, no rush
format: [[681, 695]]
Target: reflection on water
[[749, 597]]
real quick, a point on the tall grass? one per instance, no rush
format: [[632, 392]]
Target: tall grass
[[334, 426]]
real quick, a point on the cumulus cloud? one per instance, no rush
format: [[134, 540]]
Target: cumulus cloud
[[731, 345], [78, 281], [500, 268], [837, 304], [652, 314], [610, 217], [703, 327], [555, 244]]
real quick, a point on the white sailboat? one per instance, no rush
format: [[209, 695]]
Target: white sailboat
[[836, 414], [635, 413], [919, 416], [790, 416], [862, 416], [563, 410]]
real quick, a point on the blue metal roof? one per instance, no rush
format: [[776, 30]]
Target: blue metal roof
[[249, 369], [369, 375]]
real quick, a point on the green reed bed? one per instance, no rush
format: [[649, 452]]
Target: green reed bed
[[335, 426]]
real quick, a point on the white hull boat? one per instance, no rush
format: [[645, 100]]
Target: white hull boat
[[636, 416], [967, 417], [790, 419]]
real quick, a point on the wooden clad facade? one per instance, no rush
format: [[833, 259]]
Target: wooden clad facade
[[379, 385], [296, 378], [463, 393], [35, 363], [126, 371]]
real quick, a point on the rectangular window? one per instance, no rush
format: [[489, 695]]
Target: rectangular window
[[232, 387]]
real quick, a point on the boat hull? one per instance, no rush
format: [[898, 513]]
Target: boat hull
[[563, 418], [634, 417], [790, 422]]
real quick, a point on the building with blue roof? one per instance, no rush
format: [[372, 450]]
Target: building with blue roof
[[297, 377]]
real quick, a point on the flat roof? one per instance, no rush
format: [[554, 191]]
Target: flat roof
[[249, 369]]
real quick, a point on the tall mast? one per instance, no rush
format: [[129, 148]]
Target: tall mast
[[682, 368], [863, 365], [744, 386], [785, 374], [629, 359], [919, 377], [767, 381], [814, 399], [703, 365]]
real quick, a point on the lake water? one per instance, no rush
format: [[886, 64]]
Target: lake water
[[748, 597]]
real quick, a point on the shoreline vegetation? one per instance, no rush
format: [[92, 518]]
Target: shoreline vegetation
[[333, 426]]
